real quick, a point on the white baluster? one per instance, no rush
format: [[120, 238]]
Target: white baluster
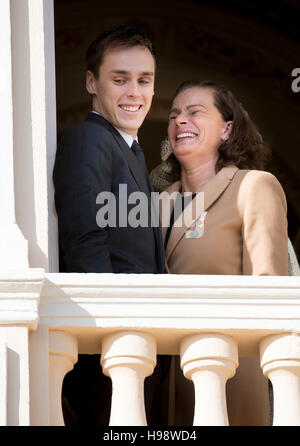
[[128, 358], [62, 357], [209, 360], [280, 361]]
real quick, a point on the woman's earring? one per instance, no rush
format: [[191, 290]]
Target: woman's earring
[[228, 128]]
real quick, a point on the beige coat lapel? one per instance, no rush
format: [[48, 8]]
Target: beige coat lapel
[[212, 191]]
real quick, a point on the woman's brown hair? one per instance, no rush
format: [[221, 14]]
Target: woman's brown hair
[[244, 147]]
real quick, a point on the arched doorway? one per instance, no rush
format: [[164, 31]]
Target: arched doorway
[[245, 45], [249, 47]]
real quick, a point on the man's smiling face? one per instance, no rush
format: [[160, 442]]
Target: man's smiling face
[[123, 91]]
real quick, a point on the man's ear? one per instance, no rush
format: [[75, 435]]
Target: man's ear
[[226, 130], [90, 82]]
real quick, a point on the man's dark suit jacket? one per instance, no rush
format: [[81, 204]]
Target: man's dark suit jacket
[[92, 157]]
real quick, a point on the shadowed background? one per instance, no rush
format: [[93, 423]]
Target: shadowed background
[[249, 46]]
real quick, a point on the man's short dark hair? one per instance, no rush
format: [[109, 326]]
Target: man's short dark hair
[[118, 36]]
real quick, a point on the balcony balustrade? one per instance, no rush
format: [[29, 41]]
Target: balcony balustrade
[[211, 322]]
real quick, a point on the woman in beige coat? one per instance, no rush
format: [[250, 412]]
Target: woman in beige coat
[[236, 221], [217, 151]]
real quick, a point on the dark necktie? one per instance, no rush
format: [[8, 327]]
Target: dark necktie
[[139, 154]]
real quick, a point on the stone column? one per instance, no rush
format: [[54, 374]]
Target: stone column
[[39, 376], [34, 127], [63, 355], [19, 297], [14, 371], [128, 358], [209, 360], [13, 246], [3, 382], [280, 362]]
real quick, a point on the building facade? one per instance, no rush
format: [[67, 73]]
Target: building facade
[[241, 329]]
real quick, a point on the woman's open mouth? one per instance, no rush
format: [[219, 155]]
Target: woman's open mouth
[[183, 135]]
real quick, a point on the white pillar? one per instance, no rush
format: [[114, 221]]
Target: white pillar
[[209, 360], [34, 127], [128, 358], [39, 376], [19, 297], [280, 361], [13, 246], [63, 355], [3, 382], [16, 371], [51, 129]]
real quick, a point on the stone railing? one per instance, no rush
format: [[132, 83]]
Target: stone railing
[[210, 321]]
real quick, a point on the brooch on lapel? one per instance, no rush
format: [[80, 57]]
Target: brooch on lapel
[[198, 229]]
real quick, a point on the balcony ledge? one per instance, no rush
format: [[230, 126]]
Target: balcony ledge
[[170, 307]]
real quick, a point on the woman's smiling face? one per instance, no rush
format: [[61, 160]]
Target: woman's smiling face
[[196, 128]]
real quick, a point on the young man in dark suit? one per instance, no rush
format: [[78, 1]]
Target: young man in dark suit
[[96, 157]]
